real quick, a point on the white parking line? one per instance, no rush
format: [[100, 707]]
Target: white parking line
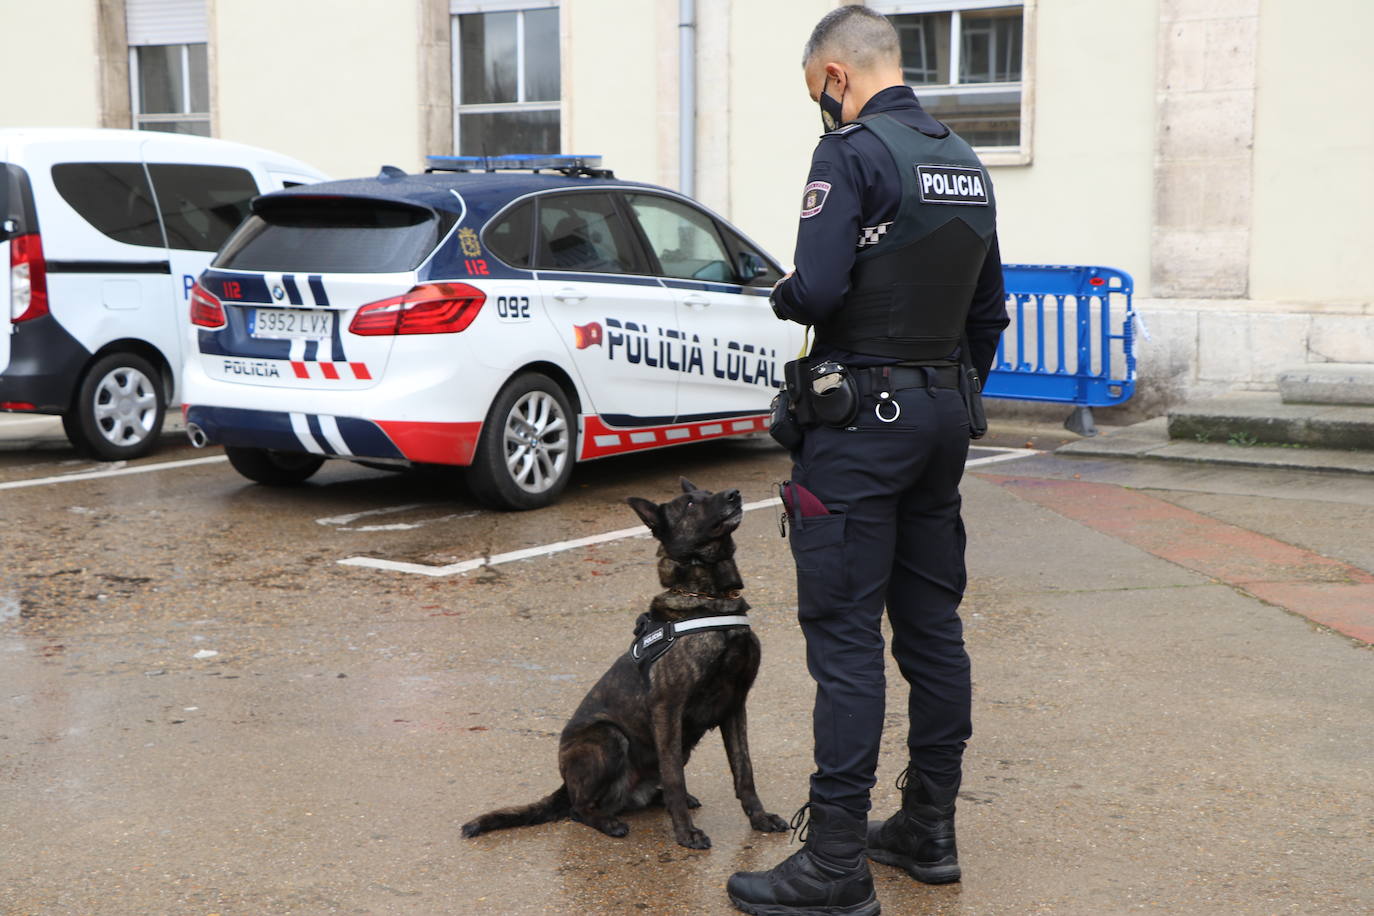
[[112, 472], [465, 566]]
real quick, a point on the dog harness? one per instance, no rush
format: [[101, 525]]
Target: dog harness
[[654, 637]]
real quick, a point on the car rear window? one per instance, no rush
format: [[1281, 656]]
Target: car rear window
[[585, 231], [16, 202], [510, 236], [334, 235], [201, 204], [114, 197]]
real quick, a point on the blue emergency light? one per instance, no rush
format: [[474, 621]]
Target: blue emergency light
[[568, 164]]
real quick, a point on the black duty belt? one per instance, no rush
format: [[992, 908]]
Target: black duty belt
[[654, 637], [896, 378]]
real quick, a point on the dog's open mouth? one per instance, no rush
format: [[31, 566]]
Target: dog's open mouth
[[730, 522]]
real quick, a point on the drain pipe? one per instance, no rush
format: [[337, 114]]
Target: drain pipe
[[687, 96]]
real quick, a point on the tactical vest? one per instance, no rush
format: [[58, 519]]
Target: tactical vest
[[909, 294]]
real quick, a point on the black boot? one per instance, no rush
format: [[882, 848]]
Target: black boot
[[828, 876], [920, 837]]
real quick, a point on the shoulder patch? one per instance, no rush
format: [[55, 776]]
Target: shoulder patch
[[813, 198], [952, 184]]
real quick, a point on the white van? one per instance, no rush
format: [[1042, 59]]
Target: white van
[[104, 233]]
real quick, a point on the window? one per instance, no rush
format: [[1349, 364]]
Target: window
[[506, 77], [509, 239], [683, 239], [585, 232], [309, 235], [965, 59], [752, 263], [114, 197], [201, 204], [171, 88]]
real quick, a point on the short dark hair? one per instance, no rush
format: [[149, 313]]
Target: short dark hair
[[854, 34]]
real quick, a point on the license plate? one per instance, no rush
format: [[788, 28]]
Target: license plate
[[290, 324]]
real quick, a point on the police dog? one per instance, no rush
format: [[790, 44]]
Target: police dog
[[625, 746]]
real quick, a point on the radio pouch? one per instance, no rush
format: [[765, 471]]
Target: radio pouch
[[971, 387]]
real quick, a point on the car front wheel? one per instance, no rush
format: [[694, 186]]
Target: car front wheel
[[527, 449], [118, 409], [275, 469]]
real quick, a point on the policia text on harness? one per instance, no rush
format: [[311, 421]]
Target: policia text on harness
[[909, 294]]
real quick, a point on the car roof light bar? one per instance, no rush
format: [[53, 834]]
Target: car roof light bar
[[568, 164]]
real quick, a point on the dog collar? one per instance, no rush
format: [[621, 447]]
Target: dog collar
[[728, 596], [654, 637]]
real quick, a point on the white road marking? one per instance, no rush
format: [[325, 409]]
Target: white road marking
[[113, 472], [466, 566], [336, 520]]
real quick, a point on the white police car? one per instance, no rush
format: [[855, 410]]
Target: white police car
[[514, 315]]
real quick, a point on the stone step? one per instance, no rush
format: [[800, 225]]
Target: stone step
[[1263, 419], [1349, 384], [1150, 440]]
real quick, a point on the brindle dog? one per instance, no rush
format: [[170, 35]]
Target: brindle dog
[[625, 746]]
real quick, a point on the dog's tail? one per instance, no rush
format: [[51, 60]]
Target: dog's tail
[[553, 807]]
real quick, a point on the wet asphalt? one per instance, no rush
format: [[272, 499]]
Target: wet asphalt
[[203, 711]]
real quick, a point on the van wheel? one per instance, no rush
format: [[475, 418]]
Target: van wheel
[[526, 453], [275, 469], [118, 409]]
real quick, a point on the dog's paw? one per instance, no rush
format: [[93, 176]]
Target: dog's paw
[[694, 839], [693, 801], [768, 823], [616, 829]]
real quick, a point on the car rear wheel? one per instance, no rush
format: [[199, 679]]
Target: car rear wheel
[[118, 410], [526, 453], [275, 469]]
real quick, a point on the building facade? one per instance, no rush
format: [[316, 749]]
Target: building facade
[[1218, 150]]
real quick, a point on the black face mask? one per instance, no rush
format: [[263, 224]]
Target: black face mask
[[832, 109]]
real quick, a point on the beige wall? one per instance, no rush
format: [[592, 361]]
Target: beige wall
[[51, 61], [1086, 196], [319, 84], [1313, 222]]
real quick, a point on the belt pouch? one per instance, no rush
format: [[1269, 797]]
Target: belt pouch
[[971, 387], [782, 424], [797, 379]]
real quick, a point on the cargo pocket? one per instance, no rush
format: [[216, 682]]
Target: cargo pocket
[[822, 572]]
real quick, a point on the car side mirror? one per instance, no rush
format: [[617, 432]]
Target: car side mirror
[[749, 266]]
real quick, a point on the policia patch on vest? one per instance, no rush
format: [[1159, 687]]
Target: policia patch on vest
[[952, 184]]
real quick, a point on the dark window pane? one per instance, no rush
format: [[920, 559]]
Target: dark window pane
[[16, 202], [114, 197], [925, 47], [541, 56], [301, 234], [197, 127], [504, 132], [160, 80], [683, 238], [201, 204], [584, 232], [981, 118], [488, 56], [200, 78], [509, 238], [991, 48]]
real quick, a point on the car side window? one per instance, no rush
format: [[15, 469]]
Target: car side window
[[114, 197], [584, 231], [683, 238], [753, 268], [509, 237], [201, 204]]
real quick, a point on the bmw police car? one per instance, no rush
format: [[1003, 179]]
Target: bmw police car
[[511, 314]]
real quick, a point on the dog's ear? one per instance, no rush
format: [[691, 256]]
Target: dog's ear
[[687, 485], [648, 512]]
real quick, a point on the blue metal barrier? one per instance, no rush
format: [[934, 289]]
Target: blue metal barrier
[[1060, 346]]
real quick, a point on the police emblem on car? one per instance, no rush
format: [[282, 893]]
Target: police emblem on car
[[952, 184]]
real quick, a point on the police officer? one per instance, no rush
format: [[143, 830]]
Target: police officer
[[898, 270]]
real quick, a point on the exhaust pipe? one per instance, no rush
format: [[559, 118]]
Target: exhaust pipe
[[196, 435]]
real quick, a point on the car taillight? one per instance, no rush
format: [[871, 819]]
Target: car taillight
[[206, 310], [430, 308], [28, 278]]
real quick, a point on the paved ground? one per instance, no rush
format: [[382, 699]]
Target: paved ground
[[203, 711]]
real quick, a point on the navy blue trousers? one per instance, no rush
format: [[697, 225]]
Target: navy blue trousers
[[894, 538]]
